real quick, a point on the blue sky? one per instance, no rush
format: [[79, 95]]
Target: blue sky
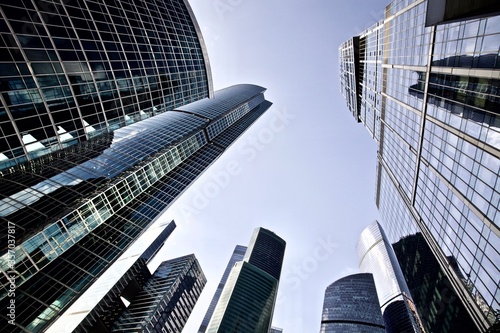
[[305, 170]]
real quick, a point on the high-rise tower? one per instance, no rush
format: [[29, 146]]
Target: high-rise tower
[[247, 301], [351, 305], [107, 114], [238, 254], [377, 257], [429, 95]]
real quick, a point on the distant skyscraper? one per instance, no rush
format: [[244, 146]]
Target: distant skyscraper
[[166, 300], [276, 330], [249, 295], [377, 257], [351, 305], [238, 253], [437, 303], [105, 119], [429, 95], [111, 306]]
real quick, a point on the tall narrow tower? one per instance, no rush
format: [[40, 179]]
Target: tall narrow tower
[[424, 81], [249, 295]]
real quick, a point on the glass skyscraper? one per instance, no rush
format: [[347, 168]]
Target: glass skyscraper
[[351, 305], [429, 95], [377, 257], [238, 254], [438, 305], [107, 114], [166, 300], [247, 301]]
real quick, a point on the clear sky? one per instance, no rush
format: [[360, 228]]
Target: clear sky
[[305, 169]]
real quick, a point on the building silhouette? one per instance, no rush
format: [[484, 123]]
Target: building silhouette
[[276, 330], [247, 301], [377, 257], [107, 114], [427, 95], [166, 300], [437, 303], [238, 253], [351, 305]]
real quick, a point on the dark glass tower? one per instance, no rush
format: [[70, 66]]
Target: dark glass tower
[[437, 303], [238, 253], [351, 305], [166, 300], [429, 95], [377, 257], [249, 295], [105, 120], [111, 306]]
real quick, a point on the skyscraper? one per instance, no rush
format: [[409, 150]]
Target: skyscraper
[[247, 300], [351, 305], [110, 307], [166, 300], [276, 330], [428, 94], [377, 257], [238, 253], [438, 305], [91, 149]]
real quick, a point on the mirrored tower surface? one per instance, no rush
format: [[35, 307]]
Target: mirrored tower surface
[[247, 301], [107, 114], [238, 253], [429, 95], [351, 305], [377, 257]]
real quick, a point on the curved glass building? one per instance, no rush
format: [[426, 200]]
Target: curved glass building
[[351, 305], [107, 114], [377, 257]]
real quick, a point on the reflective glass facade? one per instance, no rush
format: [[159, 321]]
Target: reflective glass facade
[[377, 257], [73, 70], [430, 96], [351, 305], [166, 300], [438, 305], [83, 218], [247, 301], [238, 253]]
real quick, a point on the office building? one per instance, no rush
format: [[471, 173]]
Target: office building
[[438, 305], [238, 253], [166, 300], [428, 94], [107, 114], [247, 300], [276, 330], [111, 306], [351, 305], [377, 257]]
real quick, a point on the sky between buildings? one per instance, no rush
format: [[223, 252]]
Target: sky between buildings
[[305, 169]]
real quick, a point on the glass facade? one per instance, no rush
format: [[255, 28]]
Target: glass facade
[[437, 303], [238, 253], [430, 96], [377, 257], [98, 136], [166, 300], [351, 305], [246, 303], [74, 70]]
